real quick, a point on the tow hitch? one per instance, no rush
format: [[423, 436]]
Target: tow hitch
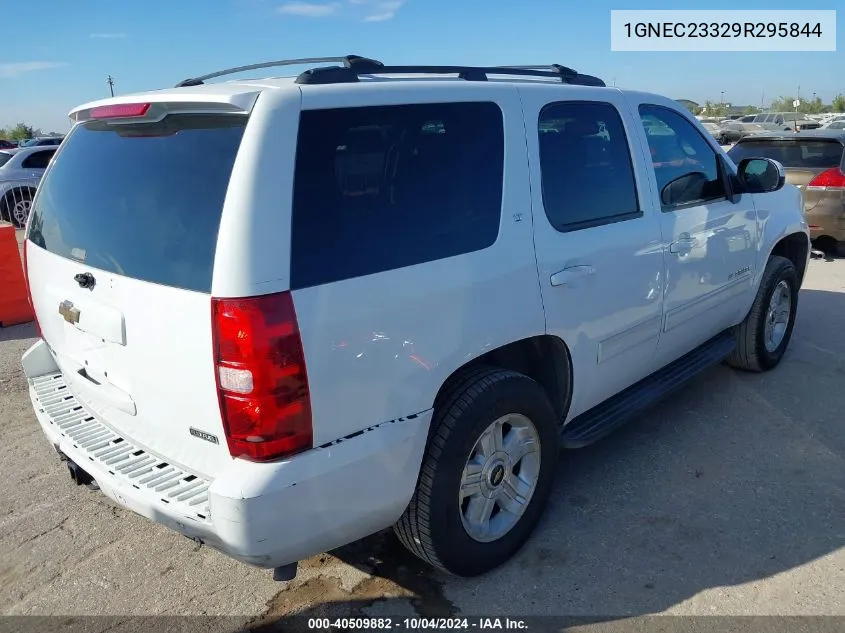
[[79, 476]]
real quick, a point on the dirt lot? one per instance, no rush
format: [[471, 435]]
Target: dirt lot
[[729, 498]]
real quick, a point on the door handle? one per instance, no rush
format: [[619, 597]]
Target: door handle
[[568, 275], [683, 245]]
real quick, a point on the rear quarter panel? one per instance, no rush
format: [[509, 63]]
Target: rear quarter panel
[[379, 347]]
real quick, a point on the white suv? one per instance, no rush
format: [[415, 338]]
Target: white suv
[[280, 315]]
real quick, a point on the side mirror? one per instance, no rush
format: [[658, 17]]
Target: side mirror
[[761, 175], [683, 189]]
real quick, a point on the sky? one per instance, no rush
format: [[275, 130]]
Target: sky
[[60, 58]]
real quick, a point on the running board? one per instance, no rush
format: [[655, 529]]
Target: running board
[[606, 417]]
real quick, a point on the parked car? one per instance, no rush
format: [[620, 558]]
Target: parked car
[[280, 315], [714, 128], [42, 141], [20, 172], [834, 125], [814, 163], [4, 144], [794, 120], [748, 118], [733, 131]]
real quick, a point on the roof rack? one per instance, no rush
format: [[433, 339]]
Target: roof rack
[[352, 66], [350, 74], [348, 61]]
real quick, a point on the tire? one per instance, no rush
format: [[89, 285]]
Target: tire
[[434, 525], [9, 206], [827, 245], [752, 352]]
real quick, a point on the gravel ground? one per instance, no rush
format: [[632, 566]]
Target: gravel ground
[[728, 498]]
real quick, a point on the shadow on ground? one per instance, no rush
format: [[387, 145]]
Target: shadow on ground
[[18, 332], [737, 478]]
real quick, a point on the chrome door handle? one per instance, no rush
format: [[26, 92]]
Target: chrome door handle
[[568, 275], [683, 245]]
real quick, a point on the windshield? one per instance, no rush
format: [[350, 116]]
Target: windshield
[[143, 200], [804, 153], [29, 143]]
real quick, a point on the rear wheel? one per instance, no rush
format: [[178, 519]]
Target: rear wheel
[[16, 205], [764, 335], [827, 244], [486, 475]]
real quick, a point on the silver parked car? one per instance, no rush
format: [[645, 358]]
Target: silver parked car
[[20, 172]]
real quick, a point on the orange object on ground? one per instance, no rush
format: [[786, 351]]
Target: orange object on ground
[[14, 300]]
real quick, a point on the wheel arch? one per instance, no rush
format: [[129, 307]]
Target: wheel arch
[[796, 248], [543, 358]]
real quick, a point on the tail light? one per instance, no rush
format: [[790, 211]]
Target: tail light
[[28, 291], [262, 384], [830, 178]]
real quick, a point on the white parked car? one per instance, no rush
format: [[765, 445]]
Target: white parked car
[[280, 315], [20, 172]]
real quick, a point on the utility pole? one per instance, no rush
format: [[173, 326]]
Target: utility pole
[[110, 81]]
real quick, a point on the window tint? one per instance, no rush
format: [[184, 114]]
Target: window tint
[[141, 200], [380, 188], [686, 167], [38, 160], [5, 158], [806, 153], [585, 164]]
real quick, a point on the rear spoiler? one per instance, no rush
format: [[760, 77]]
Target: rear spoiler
[[152, 107]]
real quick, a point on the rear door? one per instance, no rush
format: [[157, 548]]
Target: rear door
[[597, 237], [121, 247]]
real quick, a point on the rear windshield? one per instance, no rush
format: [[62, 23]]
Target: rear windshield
[[5, 158], [142, 200], [806, 153]]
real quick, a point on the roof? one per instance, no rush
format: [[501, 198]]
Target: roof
[[835, 135], [350, 69]]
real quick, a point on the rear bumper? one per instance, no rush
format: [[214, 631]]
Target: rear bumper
[[261, 514], [825, 214]]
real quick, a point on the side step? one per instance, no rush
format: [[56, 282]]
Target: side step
[[606, 417]]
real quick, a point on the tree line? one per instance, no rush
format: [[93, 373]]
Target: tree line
[[783, 104], [20, 132]]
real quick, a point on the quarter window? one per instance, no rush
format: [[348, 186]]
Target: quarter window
[[384, 187], [38, 160], [585, 163]]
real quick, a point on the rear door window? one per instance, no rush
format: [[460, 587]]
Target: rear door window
[[141, 200], [583, 149], [804, 153], [384, 187]]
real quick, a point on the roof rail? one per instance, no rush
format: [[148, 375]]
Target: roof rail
[[567, 75], [362, 66], [348, 61]]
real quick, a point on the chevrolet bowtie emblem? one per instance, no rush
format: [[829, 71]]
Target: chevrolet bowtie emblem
[[70, 314]]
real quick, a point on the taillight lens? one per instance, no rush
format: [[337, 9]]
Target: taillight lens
[[28, 291], [262, 384], [831, 178]]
